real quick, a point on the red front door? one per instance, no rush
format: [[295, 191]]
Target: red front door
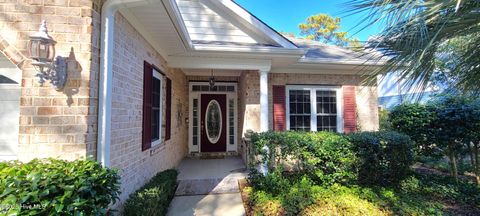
[[213, 123]]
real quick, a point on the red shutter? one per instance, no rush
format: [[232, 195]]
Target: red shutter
[[349, 109], [279, 113], [168, 111], [147, 106]]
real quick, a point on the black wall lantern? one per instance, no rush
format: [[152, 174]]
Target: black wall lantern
[[42, 52]]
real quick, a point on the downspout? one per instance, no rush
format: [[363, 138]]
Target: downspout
[[109, 9]]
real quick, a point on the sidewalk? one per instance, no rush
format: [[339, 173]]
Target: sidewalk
[[209, 187]]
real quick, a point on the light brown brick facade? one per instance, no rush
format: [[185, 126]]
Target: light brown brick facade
[[63, 124], [137, 167], [55, 123]]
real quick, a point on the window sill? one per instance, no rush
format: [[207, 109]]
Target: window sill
[[157, 148]]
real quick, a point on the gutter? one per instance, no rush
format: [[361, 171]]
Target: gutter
[[109, 8]]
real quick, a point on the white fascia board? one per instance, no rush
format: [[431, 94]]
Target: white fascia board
[[257, 24], [313, 61], [175, 16], [297, 52], [219, 63]]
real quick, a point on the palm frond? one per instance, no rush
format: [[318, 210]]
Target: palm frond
[[415, 31]]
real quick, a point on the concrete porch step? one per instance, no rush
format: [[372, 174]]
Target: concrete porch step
[[207, 186]]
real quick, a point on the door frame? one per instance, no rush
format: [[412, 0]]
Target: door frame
[[230, 95]]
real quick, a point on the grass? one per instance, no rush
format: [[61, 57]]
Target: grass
[[420, 194]]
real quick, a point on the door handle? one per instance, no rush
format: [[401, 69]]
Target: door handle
[[202, 126]]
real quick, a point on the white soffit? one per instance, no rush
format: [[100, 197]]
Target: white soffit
[[156, 26]]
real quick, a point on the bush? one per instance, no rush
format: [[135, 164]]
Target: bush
[[415, 120], [384, 158], [57, 187], [325, 157], [154, 197]]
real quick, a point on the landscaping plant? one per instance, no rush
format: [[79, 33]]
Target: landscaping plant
[[154, 197], [57, 187], [384, 158]]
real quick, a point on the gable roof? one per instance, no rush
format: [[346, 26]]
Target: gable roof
[[320, 52], [223, 22]]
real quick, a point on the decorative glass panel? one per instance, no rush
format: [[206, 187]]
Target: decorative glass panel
[[299, 110], [213, 118], [216, 88], [195, 122], [231, 120]]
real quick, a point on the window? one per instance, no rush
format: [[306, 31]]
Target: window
[[314, 109], [157, 86], [156, 93]]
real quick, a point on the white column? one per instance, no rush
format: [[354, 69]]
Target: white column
[[264, 114], [263, 101]]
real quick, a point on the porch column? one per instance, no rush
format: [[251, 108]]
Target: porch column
[[263, 100]]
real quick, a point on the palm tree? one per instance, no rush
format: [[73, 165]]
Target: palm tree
[[417, 33]]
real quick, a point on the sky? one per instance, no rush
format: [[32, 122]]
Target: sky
[[285, 15]]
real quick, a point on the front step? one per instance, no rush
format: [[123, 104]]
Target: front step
[[212, 155], [193, 187]]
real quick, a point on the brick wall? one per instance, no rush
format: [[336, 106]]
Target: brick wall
[[366, 96], [249, 99], [55, 123], [130, 50]]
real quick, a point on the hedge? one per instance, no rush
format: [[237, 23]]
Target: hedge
[[384, 158], [57, 187], [325, 157], [365, 157], [154, 197]]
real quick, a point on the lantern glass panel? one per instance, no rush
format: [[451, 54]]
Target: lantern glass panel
[[34, 49], [43, 51]]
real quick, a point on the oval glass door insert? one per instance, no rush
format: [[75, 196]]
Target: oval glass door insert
[[213, 118]]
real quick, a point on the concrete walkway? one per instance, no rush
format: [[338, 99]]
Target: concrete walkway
[[209, 187]]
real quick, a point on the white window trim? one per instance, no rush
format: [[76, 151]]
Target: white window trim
[[313, 106], [156, 74]]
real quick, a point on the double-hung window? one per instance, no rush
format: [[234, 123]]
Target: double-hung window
[[314, 108], [157, 111]]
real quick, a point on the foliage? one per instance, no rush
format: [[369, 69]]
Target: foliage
[[418, 194], [384, 120], [384, 158], [341, 200], [324, 28], [415, 120], [325, 157], [154, 197], [416, 32], [57, 187]]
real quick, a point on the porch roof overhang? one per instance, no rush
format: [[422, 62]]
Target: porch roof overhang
[[163, 25]]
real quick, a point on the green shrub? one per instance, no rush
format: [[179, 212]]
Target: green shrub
[[57, 187], [415, 120], [154, 197], [383, 157], [273, 183], [325, 157]]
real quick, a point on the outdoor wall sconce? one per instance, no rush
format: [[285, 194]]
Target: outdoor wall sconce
[[42, 51]]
